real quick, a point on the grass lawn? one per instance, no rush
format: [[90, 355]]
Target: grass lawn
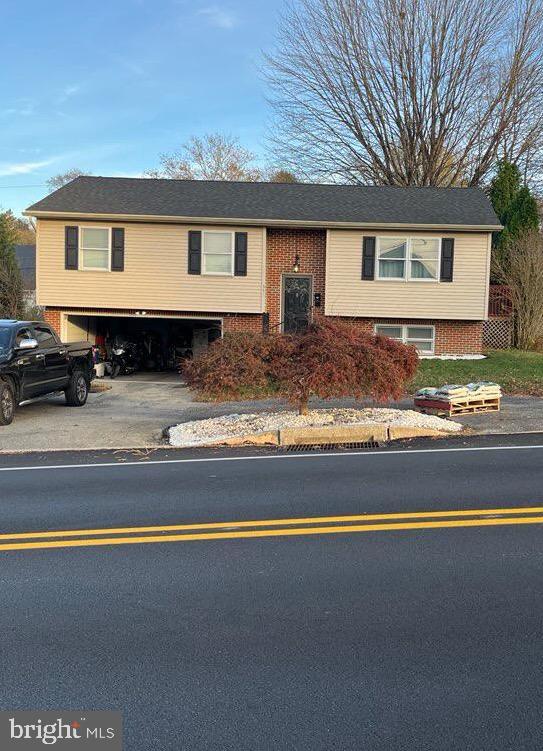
[[517, 372]]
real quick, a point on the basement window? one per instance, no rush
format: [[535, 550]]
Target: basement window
[[421, 337]]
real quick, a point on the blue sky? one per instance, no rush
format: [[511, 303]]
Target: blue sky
[[107, 86]]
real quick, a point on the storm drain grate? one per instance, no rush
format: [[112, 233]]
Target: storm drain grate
[[331, 446]]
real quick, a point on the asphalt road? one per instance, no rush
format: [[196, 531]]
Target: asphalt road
[[404, 637]]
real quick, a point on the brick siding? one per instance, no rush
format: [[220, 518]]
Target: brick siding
[[282, 247], [459, 337], [451, 337], [243, 322], [231, 321], [52, 317]]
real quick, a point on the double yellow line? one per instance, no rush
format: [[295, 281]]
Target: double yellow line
[[319, 525]]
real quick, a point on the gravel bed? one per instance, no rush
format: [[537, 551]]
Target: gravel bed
[[200, 432]]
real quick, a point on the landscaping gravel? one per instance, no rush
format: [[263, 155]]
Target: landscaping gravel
[[200, 432]]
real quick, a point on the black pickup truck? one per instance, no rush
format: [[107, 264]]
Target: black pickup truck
[[34, 362]]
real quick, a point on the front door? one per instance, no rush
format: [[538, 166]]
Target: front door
[[296, 303], [56, 361]]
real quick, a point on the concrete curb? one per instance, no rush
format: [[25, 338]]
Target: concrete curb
[[332, 434], [320, 435], [269, 438], [405, 431]]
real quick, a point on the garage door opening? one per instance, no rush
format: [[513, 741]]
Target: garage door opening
[[156, 344]]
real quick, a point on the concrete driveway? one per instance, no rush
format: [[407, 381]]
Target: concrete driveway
[[133, 413], [137, 408]]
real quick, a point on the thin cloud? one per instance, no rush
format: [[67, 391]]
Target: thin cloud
[[219, 17], [68, 92], [22, 108], [134, 67], [22, 168]]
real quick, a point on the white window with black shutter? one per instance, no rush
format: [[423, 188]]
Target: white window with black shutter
[[218, 253], [408, 259], [94, 248], [414, 259]]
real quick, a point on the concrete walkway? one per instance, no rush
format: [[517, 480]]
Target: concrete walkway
[[136, 410]]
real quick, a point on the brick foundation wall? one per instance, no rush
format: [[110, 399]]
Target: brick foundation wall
[[52, 317], [451, 337], [459, 337], [243, 322], [282, 247], [231, 321]]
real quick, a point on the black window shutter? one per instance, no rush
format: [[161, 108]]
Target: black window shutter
[[195, 252], [240, 256], [368, 258], [117, 249], [71, 247], [447, 259]]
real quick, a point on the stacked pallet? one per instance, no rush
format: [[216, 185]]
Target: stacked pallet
[[454, 399]]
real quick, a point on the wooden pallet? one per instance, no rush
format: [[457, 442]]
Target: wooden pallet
[[456, 407]]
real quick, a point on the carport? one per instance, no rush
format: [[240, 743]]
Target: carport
[[177, 336]]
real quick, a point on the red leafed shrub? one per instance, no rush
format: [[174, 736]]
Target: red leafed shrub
[[330, 359], [336, 359], [229, 366]]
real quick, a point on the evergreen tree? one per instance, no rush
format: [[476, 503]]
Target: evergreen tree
[[514, 205]]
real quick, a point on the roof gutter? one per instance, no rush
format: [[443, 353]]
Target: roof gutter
[[154, 218]]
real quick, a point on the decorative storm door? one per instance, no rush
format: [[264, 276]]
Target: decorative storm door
[[296, 303]]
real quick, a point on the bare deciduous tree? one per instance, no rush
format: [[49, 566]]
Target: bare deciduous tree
[[522, 272], [409, 92], [57, 181], [212, 157]]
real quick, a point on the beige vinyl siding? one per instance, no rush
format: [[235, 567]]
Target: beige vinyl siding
[[155, 272], [465, 298]]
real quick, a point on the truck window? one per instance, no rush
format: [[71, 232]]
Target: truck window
[[23, 334], [44, 336], [5, 339]]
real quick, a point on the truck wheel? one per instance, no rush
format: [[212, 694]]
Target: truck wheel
[[78, 389], [7, 404]]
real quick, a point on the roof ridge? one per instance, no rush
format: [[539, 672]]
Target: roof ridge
[[272, 182]]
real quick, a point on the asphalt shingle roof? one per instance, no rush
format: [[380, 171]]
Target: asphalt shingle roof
[[302, 202]]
